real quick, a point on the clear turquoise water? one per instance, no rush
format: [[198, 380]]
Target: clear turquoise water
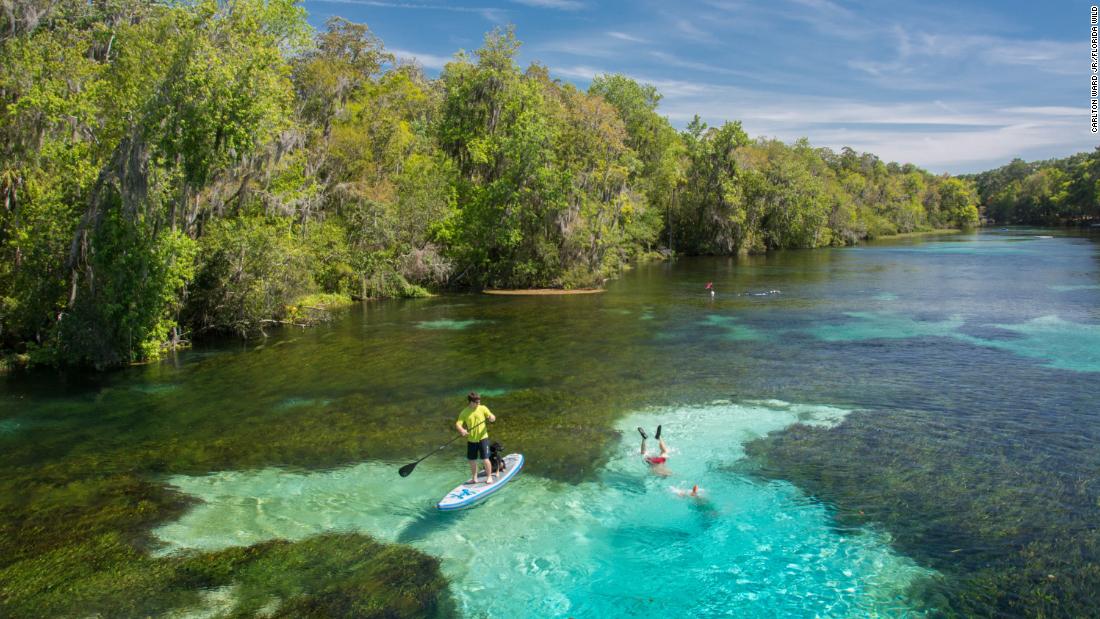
[[623, 544]]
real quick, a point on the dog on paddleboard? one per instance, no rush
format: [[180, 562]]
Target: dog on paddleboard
[[496, 457]]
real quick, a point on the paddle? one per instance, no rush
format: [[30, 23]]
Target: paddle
[[408, 468]]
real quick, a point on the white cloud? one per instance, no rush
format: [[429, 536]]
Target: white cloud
[[954, 137], [941, 136], [564, 5], [691, 30], [580, 72], [671, 60], [428, 61], [622, 36], [492, 14]]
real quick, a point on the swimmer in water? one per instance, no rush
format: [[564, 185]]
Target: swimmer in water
[[710, 287], [657, 463], [693, 493], [699, 502]]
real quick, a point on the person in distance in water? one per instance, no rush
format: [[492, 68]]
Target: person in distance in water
[[657, 463], [471, 424]]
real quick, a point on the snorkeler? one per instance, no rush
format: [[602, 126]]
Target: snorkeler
[[656, 462]]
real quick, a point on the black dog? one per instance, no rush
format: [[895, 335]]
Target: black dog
[[495, 459]]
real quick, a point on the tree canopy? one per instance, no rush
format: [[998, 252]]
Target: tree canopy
[[1056, 191], [171, 169]]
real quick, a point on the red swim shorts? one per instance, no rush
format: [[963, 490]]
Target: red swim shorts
[[655, 459]]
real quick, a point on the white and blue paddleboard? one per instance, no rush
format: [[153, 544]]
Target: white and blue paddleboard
[[466, 495]]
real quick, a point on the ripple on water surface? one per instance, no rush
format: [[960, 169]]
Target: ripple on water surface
[[626, 544]]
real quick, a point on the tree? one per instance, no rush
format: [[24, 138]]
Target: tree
[[958, 203]]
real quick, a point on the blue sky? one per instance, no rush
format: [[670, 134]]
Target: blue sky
[[951, 86]]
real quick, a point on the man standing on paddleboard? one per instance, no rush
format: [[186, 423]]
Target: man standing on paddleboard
[[471, 424]]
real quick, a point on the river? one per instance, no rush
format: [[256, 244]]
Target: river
[[898, 429]]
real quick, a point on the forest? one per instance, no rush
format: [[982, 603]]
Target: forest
[[170, 170], [1053, 192]]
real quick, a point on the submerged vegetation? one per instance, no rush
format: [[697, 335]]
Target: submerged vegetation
[[987, 481], [1013, 534], [75, 530], [174, 169], [332, 575], [170, 170]]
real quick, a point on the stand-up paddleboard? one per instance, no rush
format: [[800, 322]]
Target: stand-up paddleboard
[[466, 495]]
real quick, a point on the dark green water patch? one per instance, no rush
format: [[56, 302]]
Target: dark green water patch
[[991, 491], [731, 328], [332, 575]]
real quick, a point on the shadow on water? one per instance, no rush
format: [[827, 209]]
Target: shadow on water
[[430, 521]]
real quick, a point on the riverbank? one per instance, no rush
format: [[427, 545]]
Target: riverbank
[[916, 234]]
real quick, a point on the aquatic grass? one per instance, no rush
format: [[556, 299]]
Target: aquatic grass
[[155, 388], [1008, 437], [882, 325], [331, 575], [1060, 343], [732, 328], [738, 547], [486, 393], [9, 427], [302, 402], [995, 247], [1013, 535], [450, 325]]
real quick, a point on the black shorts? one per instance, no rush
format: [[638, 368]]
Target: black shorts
[[478, 450]]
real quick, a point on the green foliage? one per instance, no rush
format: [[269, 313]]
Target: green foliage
[[714, 216], [958, 204], [139, 276], [510, 191], [252, 269], [1052, 192], [132, 132]]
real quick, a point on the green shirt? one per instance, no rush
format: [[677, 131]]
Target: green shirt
[[470, 418]]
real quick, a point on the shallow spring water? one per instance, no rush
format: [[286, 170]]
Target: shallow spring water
[[958, 374], [625, 544]]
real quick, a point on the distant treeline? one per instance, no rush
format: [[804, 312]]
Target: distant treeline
[[1052, 192], [169, 169]]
